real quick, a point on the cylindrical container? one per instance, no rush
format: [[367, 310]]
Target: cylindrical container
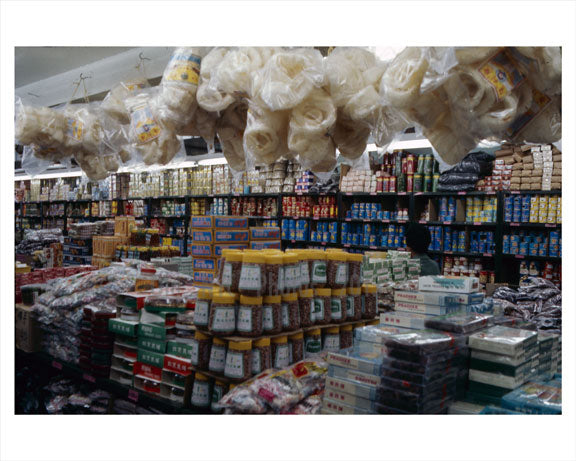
[[322, 306], [272, 314], [274, 274], [219, 390], [317, 268], [238, 360], [291, 273], [312, 342], [249, 319], [435, 179], [201, 391], [231, 271], [200, 355], [331, 339], [223, 314], [355, 261], [370, 301], [280, 352], [290, 312], [252, 276], [306, 307], [346, 336], [338, 305], [304, 258], [354, 304], [202, 309], [296, 345], [217, 356], [418, 183], [337, 269], [261, 356]]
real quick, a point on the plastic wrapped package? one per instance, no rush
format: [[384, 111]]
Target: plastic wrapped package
[[503, 340], [36, 160], [468, 55], [351, 137], [536, 397], [114, 104], [266, 135], [424, 342], [459, 323], [209, 97], [230, 130], [41, 126], [540, 123], [288, 78], [202, 123], [316, 153], [545, 70]]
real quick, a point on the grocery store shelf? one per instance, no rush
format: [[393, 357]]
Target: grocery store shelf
[[376, 221], [463, 254], [533, 258], [536, 225], [458, 223], [169, 217], [535, 192]]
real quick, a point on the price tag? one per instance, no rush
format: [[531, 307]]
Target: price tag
[[447, 223], [348, 193], [89, 378], [346, 245], [365, 220], [133, 395], [293, 241], [402, 222], [56, 365], [448, 252], [401, 193], [488, 255], [477, 223], [323, 243], [298, 193], [418, 193], [515, 224], [386, 220], [347, 219], [519, 256], [517, 192], [372, 193], [550, 225], [372, 247], [422, 221], [461, 192]]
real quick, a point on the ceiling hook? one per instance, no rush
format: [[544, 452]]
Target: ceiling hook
[[142, 58]]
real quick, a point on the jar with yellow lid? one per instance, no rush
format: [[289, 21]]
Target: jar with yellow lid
[[338, 304], [312, 343], [331, 339], [238, 360], [217, 356], [306, 307], [272, 314], [355, 261], [291, 273], [202, 309], [201, 391], [369, 301], [317, 268], [354, 304], [231, 270], [296, 344], [290, 312], [337, 269], [280, 352], [261, 355], [274, 274], [219, 390], [322, 306], [222, 314], [252, 276], [249, 320], [200, 350], [304, 258]]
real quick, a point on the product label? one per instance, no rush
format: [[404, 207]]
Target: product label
[[217, 359], [281, 279], [304, 274], [319, 272], [244, 319], [201, 312], [201, 393], [332, 343], [282, 358], [267, 318], [318, 309], [234, 364], [350, 306], [256, 365], [74, 129], [336, 308], [250, 278], [143, 125], [342, 274], [224, 319], [312, 345], [285, 315], [227, 275], [502, 73], [183, 68], [217, 394], [194, 352]]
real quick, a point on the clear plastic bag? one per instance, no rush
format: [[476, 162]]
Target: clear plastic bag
[[351, 137], [230, 130], [266, 135], [208, 96], [35, 161], [203, 124], [114, 104]]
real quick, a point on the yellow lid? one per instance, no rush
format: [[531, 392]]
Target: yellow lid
[[200, 377], [332, 330], [205, 293], [263, 342], [355, 257], [240, 345], [226, 252], [346, 328], [317, 254], [216, 289], [280, 340], [354, 291], [224, 298], [232, 386], [218, 341], [290, 258], [339, 292], [373, 322], [200, 336], [359, 324], [250, 300], [304, 255], [323, 292], [299, 335], [153, 231], [220, 383], [234, 255], [336, 256], [315, 331], [369, 288], [274, 258], [255, 258], [306, 293], [273, 299], [290, 297]]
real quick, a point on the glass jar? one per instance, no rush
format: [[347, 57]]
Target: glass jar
[[238, 360], [369, 301], [217, 356], [355, 261], [354, 304], [312, 342], [290, 312], [317, 268], [252, 276], [200, 353], [272, 315], [202, 309], [306, 307], [331, 339], [291, 273], [322, 305], [274, 274], [223, 314], [146, 279], [231, 271], [201, 391], [296, 344], [338, 304], [261, 356], [346, 336], [336, 269], [249, 320], [280, 352], [218, 391]]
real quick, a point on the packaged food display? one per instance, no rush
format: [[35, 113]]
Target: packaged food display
[[331, 339], [424, 342], [312, 342], [304, 258], [290, 312], [238, 360], [459, 323], [231, 271], [346, 336], [535, 397], [200, 353], [322, 306], [202, 309], [338, 305], [280, 352], [219, 390], [274, 274], [223, 314], [249, 321], [503, 340], [317, 268], [354, 304], [252, 275], [337, 269], [296, 344], [306, 307], [217, 360], [369, 301], [201, 391], [272, 314], [261, 356]]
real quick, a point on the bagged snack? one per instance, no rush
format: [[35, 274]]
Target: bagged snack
[[230, 130], [266, 134]]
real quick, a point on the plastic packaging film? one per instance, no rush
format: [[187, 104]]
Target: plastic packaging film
[[230, 130], [266, 134], [114, 104]]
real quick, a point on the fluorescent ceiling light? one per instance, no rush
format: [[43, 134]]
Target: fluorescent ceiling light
[[410, 144], [64, 174], [212, 161]]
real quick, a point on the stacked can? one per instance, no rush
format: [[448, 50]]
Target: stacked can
[[517, 209], [508, 208], [526, 205], [482, 242], [436, 238]]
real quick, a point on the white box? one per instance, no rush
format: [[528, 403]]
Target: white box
[[448, 284], [405, 320], [434, 299], [426, 309]]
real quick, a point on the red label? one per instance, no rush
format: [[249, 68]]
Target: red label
[[477, 223], [293, 241], [550, 225], [446, 223], [515, 224], [372, 247], [323, 243], [57, 365], [89, 378], [266, 394], [177, 365], [519, 256], [488, 255], [133, 395], [147, 371], [461, 193]]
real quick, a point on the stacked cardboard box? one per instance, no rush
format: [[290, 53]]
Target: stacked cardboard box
[[263, 238]]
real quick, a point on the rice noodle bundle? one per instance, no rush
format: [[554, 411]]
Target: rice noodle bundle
[[266, 134], [209, 97], [114, 104], [400, 84], [230, 130], [350, 136]]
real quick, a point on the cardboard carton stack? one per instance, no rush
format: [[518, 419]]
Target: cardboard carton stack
[[264, 238]]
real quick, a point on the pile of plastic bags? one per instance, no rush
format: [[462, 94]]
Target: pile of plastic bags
[[38, 239], [267, 103]]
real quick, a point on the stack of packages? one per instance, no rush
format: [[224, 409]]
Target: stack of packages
[[359, 181], [502, 359], [536, 397], [265, 238], [210, 235], [125, 350], [181, 264], [76, 250], [549, 353], [96, 342]]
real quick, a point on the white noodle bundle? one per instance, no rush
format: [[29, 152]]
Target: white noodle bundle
[[350, 136], [42, 126], [114, 104], [400, 84], [209, 97], [230, 130], [266, 134]]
